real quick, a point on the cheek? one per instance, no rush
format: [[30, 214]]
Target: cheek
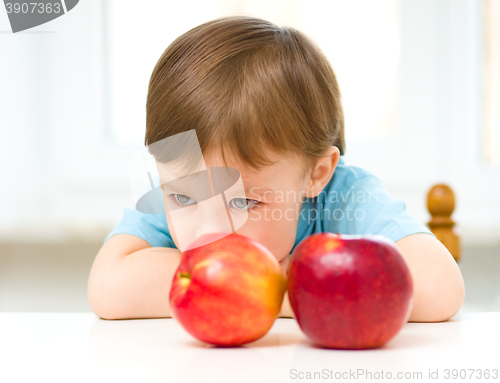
[[275, 229], [170, 224], [171, 229]]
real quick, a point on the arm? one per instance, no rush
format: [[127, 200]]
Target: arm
[[438, 286], [131, 279]]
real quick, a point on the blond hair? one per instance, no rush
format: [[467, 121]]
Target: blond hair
[[247, 86]]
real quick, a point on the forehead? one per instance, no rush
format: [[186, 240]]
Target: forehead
[[288, 167], [283, 175]]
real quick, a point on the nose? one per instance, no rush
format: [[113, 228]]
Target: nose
[[211, 217]]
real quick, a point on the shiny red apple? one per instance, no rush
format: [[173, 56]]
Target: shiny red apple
[[349, 292], [228, 291]]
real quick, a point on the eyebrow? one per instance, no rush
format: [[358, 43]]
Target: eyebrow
[[177, 189], [260, 190]]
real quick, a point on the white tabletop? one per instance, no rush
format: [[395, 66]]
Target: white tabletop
[[74, 347]]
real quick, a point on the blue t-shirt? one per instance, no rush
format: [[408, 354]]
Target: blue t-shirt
[[353, 202]]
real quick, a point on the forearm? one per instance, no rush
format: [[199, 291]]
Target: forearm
[[139, 284], [438, 286]]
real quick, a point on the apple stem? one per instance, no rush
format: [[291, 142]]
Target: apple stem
[[182, 274]]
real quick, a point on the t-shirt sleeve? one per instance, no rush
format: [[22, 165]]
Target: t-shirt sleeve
[[368, 208], [152, 228]]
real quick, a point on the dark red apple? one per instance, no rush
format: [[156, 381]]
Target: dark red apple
[[228, 291], [349, 292]]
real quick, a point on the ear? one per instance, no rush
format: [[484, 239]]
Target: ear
[[322, 172]]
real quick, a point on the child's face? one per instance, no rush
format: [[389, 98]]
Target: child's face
[[271, 205]]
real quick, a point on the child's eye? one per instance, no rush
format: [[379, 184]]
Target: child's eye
[[243, 203], [183, 199]]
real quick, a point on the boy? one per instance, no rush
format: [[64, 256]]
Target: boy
[[263, 100]]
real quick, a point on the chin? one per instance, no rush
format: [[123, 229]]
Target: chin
[[274, 238], [281, 248]]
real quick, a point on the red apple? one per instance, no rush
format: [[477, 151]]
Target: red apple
[[349, 293], [227, 292]]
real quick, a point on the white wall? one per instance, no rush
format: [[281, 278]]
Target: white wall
[[60, 175], [441, 120], [64, 175]]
